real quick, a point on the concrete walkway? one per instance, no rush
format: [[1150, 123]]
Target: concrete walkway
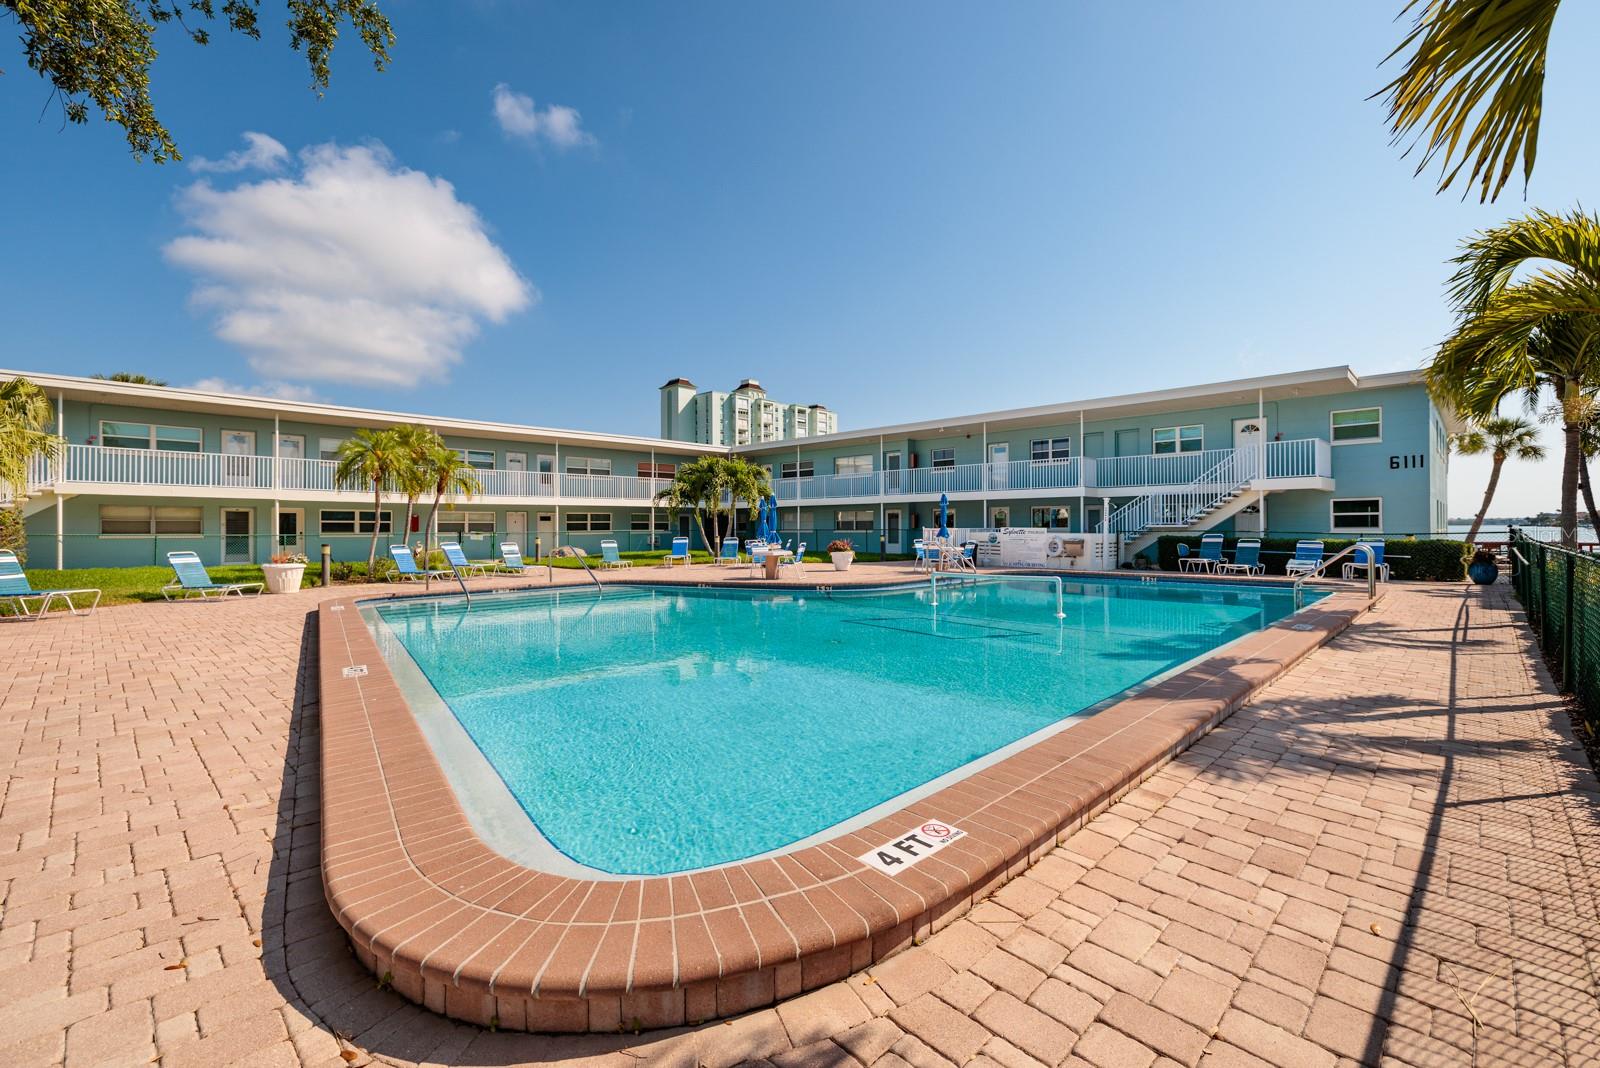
[[1393, 856]]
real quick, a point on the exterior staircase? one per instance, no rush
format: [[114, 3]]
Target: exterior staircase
[[1215, 495]]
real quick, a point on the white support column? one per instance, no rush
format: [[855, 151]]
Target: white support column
[[60, 472], [61, 531], [277, 503], [1261, 460], [883, 508], [985, 473], [650, 539], [1083, 469]]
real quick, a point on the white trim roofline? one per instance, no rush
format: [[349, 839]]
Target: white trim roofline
[[183, 399], [1320, 380]]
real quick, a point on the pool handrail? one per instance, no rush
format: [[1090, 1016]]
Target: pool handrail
[[933, 584], [1317, 572]]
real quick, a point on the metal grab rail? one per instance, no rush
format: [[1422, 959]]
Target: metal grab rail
[[582, 558], [933, 584], [1317, 572]]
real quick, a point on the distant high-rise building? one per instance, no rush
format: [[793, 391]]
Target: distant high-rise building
[[744, 416]]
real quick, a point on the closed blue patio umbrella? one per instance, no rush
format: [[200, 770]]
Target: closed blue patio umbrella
[[761, 520], [772, 519], [944, 515]]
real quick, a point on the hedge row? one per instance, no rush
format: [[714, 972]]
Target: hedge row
[[1427, 559]]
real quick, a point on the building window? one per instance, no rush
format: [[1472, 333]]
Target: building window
[[646, 470], [852, 465], [350, 521], [118, 435], [641, 521], [328, 448], [1052, 516], [1358, 513], [1166, 440], [588, 465], [588, 522], [140, 519], [942, 458], [858, 519], [1357, 424], [460, 524], [796, 469], [1050, 450], [482, 459]]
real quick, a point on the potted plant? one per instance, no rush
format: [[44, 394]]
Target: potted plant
[[841, 553], [1483, 569], [284, 573]]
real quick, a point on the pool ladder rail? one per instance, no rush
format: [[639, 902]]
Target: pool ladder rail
[[582, 558], [1321, 569], [934, 577]]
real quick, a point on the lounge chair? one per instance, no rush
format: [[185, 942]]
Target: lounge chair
[[510, 561], [406, 569], [609, 556], [458, 560], [14, 587], [1357, 562], [920, 548], [193, 579], [730, 552], [1307, 558], [1207, 559], [1246, 559], [679, 553], [798, 560]]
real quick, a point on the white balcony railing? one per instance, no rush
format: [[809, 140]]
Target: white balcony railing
[[612, 487], [158, 467]]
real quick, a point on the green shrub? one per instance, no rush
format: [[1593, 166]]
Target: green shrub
[[14, 533], [1424, 559]]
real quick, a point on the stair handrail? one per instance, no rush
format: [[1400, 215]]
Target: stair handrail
[[1112, 524]]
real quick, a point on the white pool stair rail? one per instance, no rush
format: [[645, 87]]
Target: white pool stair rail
[[582, 558], [933, 584], [1320, 572]]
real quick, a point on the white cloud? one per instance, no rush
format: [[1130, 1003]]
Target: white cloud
[[260, 153], [288, 391], [354, 269], [557, 124]]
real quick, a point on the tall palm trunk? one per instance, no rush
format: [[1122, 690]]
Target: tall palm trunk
[[1572, 432], [377, 521], [1488, 495], [1588, 494]]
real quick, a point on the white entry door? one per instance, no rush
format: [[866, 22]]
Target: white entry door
[[1250, 434], [239, 446], [999, 466], [291, 530], [892, 524], [238, 529], [517, 529], [544, 529]]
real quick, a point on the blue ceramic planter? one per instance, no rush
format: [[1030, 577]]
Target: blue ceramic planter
[[1483, 573]]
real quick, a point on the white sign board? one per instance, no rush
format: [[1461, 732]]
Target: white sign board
[[894, 857], [1031, 547]]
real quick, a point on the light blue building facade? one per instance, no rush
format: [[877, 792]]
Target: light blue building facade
[[148, 469]]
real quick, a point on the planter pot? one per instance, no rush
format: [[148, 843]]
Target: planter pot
[[1483, 573], [283, 578], [841, 561]]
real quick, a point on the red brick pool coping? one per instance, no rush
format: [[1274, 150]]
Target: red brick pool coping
[[457, 927]]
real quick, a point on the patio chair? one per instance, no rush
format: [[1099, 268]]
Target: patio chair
[[1207, 559], [406, 569], [919, 547], [730, 552], [1246, 559], [191, 578], [458, 560], [510, 561], [1307, 558], [758, 556], [679, 553], [14, 587], [797, 561], [609, 557], [1356, 565]]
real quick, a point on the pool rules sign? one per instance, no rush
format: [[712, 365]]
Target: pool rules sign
[[894, 857]]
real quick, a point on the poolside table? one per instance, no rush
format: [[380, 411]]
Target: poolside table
[[774, 560]]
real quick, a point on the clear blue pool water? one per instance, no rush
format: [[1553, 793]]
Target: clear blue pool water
[[654, 730]]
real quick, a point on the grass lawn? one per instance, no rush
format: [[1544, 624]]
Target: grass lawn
[[128, 585]]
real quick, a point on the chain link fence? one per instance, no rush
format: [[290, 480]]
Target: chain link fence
[[1560, 591]]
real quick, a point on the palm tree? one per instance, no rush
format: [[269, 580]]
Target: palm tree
[[413, 477], [25, 413], [697, 486], [747, 482], [1483, 58], [447, 476], [369, 457], [131, 377], [1502, 437], [1525, 336]]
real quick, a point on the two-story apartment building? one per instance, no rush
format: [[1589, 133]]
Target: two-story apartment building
[[148, 469]]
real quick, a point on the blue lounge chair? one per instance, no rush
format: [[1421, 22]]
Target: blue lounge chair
[[1307, 558], [1357, 563], [679, 553], [797, 561], [1246, 559], [14, 587], [510, 561], [193, 579], [406, 569], [458, 561], [609, 556], [730, 552], [1207, 559], [920, 548]]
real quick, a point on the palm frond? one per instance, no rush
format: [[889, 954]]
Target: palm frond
[[1488, 259], [1472, 89]]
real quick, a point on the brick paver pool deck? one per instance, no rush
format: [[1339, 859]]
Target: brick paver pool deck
[[1391, 856]]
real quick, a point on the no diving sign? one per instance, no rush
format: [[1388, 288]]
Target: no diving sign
[[894, 857]]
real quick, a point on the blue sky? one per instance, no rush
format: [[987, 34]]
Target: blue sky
[[894, 210]]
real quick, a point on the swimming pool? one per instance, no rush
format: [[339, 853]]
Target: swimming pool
[[652, 730]]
